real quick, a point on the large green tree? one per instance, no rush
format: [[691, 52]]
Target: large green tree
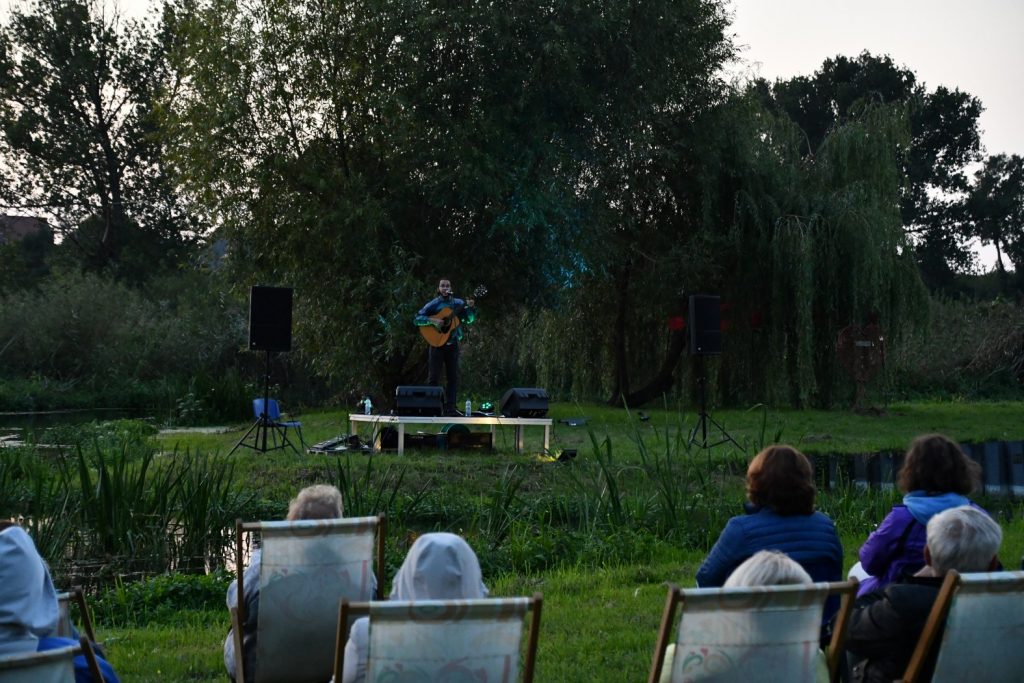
[[79, 137], [358, 151], [995, 210], [944, 141]]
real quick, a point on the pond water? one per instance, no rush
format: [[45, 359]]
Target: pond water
[[29, 426]]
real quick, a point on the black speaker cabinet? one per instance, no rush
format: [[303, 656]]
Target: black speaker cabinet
[[423, 401], [524, 402], [705, 325], [270, 318]]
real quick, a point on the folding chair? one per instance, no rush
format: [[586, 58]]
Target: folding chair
[[65, 624], [758, 633], [306, 568], [270, 432], [51, 666], [435, 640], [983, 615]]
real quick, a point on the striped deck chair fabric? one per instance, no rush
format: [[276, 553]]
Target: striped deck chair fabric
[[759, 633], [307, 567], [450, 640], [983, 633]]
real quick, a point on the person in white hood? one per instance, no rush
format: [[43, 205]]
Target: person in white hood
[[439, 566], [28, 600]]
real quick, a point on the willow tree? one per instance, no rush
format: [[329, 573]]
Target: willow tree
[[816, 244]]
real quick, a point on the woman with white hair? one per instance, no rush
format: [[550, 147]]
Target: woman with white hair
[[763, 568], [439, 566], [886, 624]]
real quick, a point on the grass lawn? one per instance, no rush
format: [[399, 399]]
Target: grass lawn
[[599, 618]]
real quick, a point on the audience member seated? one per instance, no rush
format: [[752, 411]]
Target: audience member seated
[[28, 604], [780, 516], [763, 568], [936, 476], [439, 566], [319, 501], [886, 624]]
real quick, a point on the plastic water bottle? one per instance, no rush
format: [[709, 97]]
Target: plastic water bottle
[[469, 408], [367, 406]]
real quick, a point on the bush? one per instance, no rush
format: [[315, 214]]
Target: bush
[[82, 340]]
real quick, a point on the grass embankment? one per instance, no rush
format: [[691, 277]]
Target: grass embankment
[[600, 537]]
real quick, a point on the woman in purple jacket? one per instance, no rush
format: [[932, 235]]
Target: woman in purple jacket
[[936, 476]]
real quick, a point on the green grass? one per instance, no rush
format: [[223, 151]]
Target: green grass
[[600, 538], [597, 625]]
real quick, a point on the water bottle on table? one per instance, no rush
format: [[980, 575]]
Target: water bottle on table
[[367, 406], [469, 408]]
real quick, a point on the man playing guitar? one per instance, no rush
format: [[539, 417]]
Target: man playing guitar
[[444, 314]]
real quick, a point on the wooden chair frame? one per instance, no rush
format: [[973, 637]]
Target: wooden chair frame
[[238, 614], [677, 596], [348, 610], [929, 644], [936, 618], [77, 596]]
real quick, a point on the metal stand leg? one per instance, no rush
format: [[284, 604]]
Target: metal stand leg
[[704, 418], [264, 426]]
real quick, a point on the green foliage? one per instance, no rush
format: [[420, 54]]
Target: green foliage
[[381, 143], [944, 139], [85, 340], [164, 599], [113, 508], [968, 350]]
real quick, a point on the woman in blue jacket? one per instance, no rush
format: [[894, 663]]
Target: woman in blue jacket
[[779, 516]]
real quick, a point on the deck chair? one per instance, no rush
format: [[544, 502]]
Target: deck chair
[[65, 624], [984, 628], [51, 666], [306, 568], [758, 633], [437, 640]]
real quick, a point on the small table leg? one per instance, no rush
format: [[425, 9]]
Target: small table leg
[[519, 438], [401, 438], [547, 438]]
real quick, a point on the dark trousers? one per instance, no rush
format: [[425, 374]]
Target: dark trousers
[[448, 356]]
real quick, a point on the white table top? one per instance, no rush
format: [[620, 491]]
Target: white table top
[[420, 419]]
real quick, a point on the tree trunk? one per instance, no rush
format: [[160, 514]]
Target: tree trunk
[[621, 369], [662, 381]]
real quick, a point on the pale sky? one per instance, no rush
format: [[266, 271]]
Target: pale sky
[[974, 45]]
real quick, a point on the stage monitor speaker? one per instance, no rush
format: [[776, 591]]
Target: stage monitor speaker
[[270, 318], [524, 402], [425, 401], [705, 325]]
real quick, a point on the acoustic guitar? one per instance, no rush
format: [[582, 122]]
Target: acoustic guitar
[[446, 321]]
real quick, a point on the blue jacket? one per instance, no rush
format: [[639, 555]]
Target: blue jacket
[[82, 673], [810, 540], [467, 314]]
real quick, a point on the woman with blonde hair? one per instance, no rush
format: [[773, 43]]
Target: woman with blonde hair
[[319, 501]]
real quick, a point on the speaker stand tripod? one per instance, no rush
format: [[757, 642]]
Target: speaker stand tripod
[[264, 427], [703, 419]]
